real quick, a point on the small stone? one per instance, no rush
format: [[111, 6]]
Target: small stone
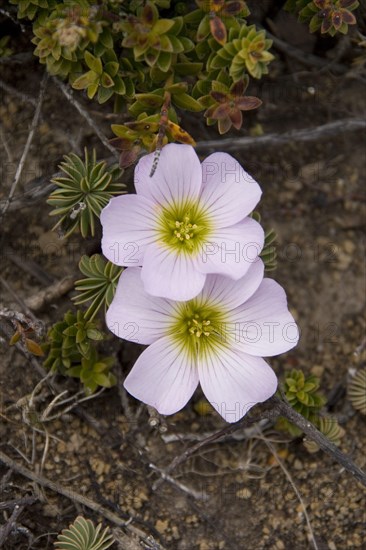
[[280, 545], [161, 525], [50, 510], [317, 370], [244, 493], [293, 185], [344, 260], [175, 533], [298, 465], [349, 246], [44, 128]]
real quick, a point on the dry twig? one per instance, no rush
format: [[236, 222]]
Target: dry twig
[[326, 131], [69, 95], [50, 294], [305, 58], [32, 130]]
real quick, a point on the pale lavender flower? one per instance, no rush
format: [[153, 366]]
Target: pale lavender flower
[[217, 339], [185, 222]]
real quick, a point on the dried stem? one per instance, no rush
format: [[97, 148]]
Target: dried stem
[[27, 145], [69, 95], [332, 129], [306, 59]]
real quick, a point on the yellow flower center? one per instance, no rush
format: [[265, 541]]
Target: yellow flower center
[[199, 327], [184, 227], [185, 230]]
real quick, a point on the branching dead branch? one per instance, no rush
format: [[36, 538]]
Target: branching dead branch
[[39, 188], [6, 529], [271, 410]]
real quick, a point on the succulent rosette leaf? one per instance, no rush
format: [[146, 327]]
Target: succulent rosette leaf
[[217, 339], [246, 50], [186, 221]]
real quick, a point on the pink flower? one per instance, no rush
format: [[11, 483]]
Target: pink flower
[[217, 339], [185, 222]]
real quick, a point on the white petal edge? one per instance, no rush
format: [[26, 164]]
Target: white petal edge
[[135, 315], [163, 377], [231, 250], [227, 294], [233, 382], [129, 225], [170, 274], [177, 177], [228, 192], [263, 325]]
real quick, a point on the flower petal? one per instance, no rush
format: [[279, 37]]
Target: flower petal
[[229, 294], [228, 192], [236, 118], [233, 382], [263, 325], [177, 177], [232, 250], [170, 274], [164, 376], [135, 315], [129, 223]]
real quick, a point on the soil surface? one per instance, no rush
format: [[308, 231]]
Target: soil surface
[[231, 494]]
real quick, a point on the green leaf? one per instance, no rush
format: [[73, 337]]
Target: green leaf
[[111, 68], [102, 380], [94, 63], [162, 26], [188, 69], [151, 100], [92, 90], [94, 334], [203, 28], [184, 101], [106, 81], [85, 80], [164, 61]]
